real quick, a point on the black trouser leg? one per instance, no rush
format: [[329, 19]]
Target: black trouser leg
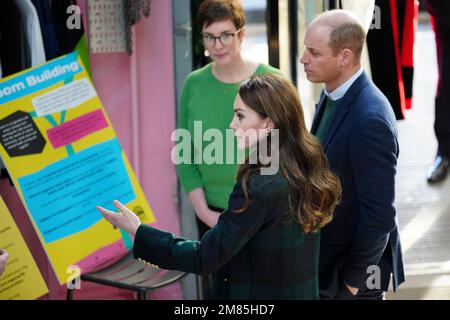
[[206, 281], [442, 102]]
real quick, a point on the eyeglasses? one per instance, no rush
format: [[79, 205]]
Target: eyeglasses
[[225, 38]]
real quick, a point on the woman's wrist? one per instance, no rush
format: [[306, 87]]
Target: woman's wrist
[[135, 229]]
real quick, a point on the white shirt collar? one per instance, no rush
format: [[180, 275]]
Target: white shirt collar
[[342, 90]]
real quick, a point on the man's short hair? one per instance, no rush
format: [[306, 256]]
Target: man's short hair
[[346, 31], [348, 36]]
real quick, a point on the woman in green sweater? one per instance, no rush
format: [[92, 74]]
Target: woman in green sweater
[[207, 97]]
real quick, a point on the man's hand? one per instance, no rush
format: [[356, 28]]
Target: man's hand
[[353, 290], [125, 219]]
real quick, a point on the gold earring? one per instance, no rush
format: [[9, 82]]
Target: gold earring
[[206, 53]]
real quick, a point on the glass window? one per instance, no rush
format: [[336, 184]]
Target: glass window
[[309, 93], [255, 46]]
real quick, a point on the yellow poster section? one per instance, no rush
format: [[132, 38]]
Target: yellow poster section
[[76, 247], [22, 279]]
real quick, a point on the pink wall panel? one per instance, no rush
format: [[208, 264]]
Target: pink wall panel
[[156, 87], [156, 107], [151, 71], [111, 74]]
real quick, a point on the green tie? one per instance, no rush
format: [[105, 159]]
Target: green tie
[[328, 113]]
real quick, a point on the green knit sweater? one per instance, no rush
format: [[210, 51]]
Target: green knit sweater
[[204, 98]]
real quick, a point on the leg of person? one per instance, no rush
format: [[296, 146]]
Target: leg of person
[[205, 284], [438, 171], [443, 97]]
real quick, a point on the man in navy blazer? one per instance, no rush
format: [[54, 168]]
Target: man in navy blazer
[[360, 248]]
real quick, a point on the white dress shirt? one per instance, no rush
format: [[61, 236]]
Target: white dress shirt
[[343, 88]]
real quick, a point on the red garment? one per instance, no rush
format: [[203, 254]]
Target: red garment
[[404, 37], [407, 49], [391, 51], [396, 34]]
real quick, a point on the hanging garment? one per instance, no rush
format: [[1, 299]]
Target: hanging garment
[[67, 38], [32, 30], [21, 44], [49, 37], [111, 22], [132, 12], [14, 51], [391, 48], [440, 11], [384, 55], [106, 26], [408, 13]]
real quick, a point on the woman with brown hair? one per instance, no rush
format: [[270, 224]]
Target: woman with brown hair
[[265, 245], [207, 98]]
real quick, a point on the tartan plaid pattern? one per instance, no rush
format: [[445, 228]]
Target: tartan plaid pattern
[[252, 254]]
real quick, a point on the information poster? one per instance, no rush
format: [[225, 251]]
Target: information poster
[[64, 158], [21, 279]]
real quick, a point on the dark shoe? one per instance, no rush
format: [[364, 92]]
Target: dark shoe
[[438, 171]]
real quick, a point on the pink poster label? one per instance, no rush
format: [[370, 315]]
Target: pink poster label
[[76, 129], [102, 256]]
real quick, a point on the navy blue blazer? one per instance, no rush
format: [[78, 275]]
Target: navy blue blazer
[[362, 149]]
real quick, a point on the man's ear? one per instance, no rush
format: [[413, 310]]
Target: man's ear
[[347, 57]]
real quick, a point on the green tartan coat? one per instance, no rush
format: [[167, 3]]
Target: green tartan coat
[[253, 254]]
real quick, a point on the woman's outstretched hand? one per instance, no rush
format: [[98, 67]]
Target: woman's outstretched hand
[[125, 219]]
